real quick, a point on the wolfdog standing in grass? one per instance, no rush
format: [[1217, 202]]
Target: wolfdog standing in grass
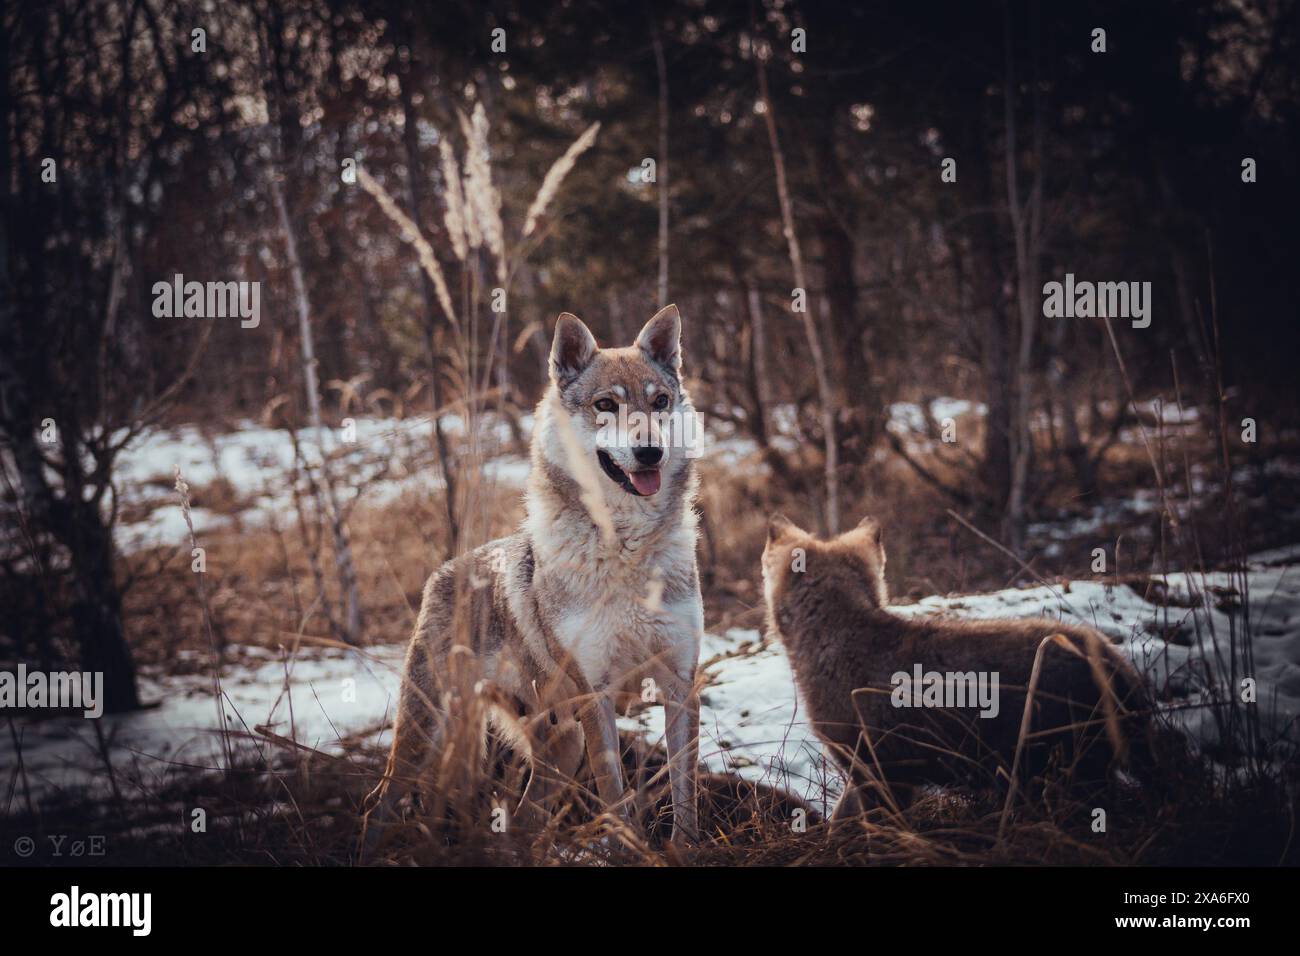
[[595, 598]]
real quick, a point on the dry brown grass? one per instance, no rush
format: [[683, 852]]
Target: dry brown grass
[[261, 587], [300, 806]]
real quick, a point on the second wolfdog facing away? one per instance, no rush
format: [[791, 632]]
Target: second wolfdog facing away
[[594, 597], [826, 602]]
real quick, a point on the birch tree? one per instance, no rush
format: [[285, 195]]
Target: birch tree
[[830, 514], [327, 501]]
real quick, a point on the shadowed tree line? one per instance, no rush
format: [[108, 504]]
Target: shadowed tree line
[[175, 153]]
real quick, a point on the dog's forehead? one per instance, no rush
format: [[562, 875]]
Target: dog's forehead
[[628, 373]]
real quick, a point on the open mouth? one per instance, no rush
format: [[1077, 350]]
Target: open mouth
[[639, 483]]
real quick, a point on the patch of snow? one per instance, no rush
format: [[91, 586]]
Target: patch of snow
[[316, 699], [259, 462], [751, 721], [911, 417]]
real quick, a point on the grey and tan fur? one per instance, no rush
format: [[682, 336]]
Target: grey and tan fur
[[844, 647], [597, 591]]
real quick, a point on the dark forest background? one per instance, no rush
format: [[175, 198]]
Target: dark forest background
[[1123, 165]]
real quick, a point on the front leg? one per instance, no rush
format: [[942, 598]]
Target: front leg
[[682, 738], [600, 732]]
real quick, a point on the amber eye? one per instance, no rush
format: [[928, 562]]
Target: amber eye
[[606, 405], [661, 403]]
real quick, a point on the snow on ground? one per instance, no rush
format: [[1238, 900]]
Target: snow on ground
[[911, 417], [1133, 511], [1182, 651], [317, 699], [751, 721], [389, 457], [384, 459]]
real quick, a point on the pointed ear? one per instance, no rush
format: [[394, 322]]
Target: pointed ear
[[661, 338], [869, 526], [867, 536], [779, 526], [572, 349]]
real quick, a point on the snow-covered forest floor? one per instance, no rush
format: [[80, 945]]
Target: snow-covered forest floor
[[1192, 634]]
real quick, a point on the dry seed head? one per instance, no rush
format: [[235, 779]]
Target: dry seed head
[[481, 197], [454, 196], [555, 177], [428, 261]]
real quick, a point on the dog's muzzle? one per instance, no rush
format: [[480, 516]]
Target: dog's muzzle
[[643, 482]]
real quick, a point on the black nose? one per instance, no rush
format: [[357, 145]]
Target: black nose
[[649, 455]]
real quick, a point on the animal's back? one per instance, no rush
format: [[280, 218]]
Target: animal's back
[[847, 681]]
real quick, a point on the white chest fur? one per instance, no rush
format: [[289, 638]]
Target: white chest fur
[[612, 638], [614, 616], [616, 605]]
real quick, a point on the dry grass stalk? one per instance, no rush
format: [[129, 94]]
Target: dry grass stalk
[[428, 261], [592, 496], [454, 198], [1026, 720], [555, 177], [183, 490], [482, 199]]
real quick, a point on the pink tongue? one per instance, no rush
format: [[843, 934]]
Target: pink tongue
[[645, 482]]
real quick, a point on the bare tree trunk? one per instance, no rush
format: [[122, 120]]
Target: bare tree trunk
[[342, 544], [1073, 446], [831, 516], [760, 393], [661, 162], [1028, 235], [985, 241], [1179, 265], [858, 406], [76, 523], [759, 382]]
